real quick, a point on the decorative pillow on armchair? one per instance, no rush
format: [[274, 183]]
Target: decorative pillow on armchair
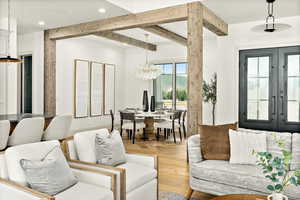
[[50, 175], [214, 141], [110, 149]]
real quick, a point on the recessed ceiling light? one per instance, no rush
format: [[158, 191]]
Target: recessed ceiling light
[[101, 10], [41, 23]]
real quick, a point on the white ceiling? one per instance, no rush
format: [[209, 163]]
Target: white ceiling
[[58, 13], [232, 11]]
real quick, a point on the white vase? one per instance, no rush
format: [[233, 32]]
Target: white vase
[[277, 196]]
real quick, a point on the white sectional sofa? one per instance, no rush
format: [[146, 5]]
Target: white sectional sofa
[[220, 177]]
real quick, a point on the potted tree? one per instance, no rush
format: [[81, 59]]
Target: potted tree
[[210, 94]]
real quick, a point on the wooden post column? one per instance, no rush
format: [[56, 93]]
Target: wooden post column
[[49, 75], [195, 68]]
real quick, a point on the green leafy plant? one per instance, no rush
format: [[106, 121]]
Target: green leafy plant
[[210, 94], [277, 169]]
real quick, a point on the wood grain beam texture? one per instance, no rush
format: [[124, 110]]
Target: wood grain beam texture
[[49, 75], [195, 69], [148, 18], [158, 30], [127, 40]]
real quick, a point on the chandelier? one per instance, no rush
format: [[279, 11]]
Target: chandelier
[[8, 59], [148, 71]]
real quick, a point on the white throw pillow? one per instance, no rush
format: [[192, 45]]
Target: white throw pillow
[[243, 144], [85, 144], [110, 149]]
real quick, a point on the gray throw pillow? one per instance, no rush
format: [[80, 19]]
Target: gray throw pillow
[[109, 149], [50, 175]]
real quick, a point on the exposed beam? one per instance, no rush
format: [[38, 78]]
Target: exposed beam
[[214, 23], [166, 34], [128, 40], [148, 18], [195, 69]]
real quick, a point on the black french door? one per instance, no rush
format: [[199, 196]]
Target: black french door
[[269, 89]]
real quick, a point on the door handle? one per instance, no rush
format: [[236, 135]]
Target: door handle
[[282, 105], [274, 105]]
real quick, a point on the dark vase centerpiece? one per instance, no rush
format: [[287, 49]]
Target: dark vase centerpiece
[[152, 104], [145, 101]]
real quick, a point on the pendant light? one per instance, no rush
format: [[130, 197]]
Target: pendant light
[[8, 59], [270, 20], [270, 25]]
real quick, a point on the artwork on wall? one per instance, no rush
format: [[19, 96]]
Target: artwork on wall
[[81, 88], [97, 84], [94, 88], [109, 100]]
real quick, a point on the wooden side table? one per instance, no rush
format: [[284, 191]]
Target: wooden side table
[[241, 197]]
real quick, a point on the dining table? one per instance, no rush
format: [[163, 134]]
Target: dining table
[[14, 119], [149, 119]]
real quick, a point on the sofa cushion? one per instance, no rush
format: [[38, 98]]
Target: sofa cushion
[[243, 144], [222, 172], [137, 175], [84, 191], [33, 151], [85, 144], [214, 141], [272, 146], [295, 165]]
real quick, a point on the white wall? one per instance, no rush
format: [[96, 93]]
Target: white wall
[[8, 72], [33, 43], [81, 48]]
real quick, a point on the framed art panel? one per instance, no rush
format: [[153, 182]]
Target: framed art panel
[[82, 88], [109, 88], [97, 89]]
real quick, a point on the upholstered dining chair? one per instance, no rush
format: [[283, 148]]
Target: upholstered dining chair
[[28, 130], [58, 128], [130, 124], [4, 133], [93, 184], [170, 125], [183, 120], [136, 179]]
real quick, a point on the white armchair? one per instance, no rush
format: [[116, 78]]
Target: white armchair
[[93, 184], [136, 179]]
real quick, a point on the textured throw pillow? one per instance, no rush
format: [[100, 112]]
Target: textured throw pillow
[[214, 141], [243, 144], [51, 175], [110, 149]]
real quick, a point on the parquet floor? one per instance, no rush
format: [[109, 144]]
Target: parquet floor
[[173, 166]]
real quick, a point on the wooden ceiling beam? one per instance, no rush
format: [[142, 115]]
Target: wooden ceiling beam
[[214, 23], [148, 18], [127, 40], [166, 34]]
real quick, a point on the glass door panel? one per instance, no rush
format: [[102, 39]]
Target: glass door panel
[[181, 86]]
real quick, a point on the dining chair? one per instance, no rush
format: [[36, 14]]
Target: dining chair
[[28, 130], [170, 126], [58, 128], [4, 133], [129, 123], [112, 120], [183, 123]]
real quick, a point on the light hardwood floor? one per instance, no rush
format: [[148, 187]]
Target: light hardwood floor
[[173, 166]]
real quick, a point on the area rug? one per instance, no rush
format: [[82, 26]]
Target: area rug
[[172, 196]]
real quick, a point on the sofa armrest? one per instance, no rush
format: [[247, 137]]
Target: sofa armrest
[[119, 172], [11, 190], [194, 150], [145, 160], [96, 177]]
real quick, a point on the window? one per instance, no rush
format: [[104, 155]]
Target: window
[[270, 89], [26, 84], [170, 88]]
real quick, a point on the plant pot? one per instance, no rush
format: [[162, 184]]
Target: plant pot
[[277, 196]]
